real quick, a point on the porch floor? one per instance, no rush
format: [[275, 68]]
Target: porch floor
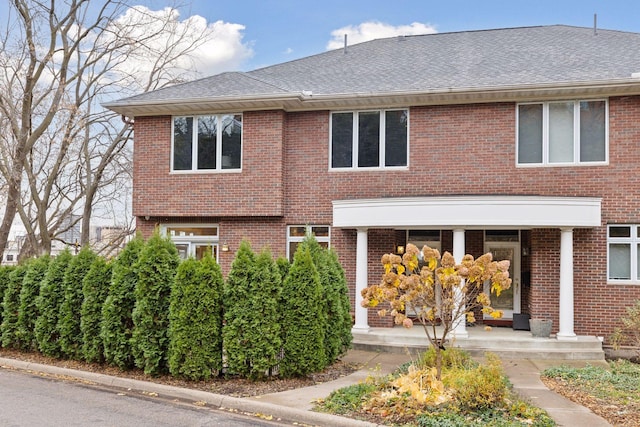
[[506, 342]]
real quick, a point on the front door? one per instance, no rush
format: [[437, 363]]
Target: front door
[[509, 300]]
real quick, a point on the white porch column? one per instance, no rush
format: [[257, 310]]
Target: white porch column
[[460, 327], [565, 329], [362, 322]]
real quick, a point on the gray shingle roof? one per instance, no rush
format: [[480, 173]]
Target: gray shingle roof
[[510, 57]]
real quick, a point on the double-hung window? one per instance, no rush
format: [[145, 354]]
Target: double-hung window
[[297, 233], [623, 255], [369, 139], [562, 133], [207, 143]]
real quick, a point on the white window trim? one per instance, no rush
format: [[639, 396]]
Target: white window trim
[[354, 142], [308, 228], [576, 135], [194, 240], [633, 242], [194, 147]]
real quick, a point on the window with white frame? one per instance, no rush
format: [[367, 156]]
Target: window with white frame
[[194, 240], [623, 254], [562, 133], [207, 143], [369, 139], [297, 233]]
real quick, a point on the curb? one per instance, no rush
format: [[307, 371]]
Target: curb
[[290, 415]]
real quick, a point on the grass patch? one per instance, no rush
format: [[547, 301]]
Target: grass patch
[[470, 394]]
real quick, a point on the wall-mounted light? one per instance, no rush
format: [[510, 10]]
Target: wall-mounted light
[[525, 251], [146, 217], [225, 248], [400, 249]]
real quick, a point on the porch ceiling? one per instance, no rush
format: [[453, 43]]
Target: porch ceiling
[[468, 212]]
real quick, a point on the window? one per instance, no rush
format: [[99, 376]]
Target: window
[[207, 143], [369, 139], [562, 133], [10, 257], [194, 240], [623, 257], [297, 233]]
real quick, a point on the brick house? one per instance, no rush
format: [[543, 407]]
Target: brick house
[[524, 142]]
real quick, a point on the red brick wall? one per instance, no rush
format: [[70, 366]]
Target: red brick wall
[[456, 149]]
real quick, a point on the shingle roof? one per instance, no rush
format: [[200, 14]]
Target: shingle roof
[[513, 57]]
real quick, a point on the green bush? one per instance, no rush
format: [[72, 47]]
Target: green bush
[[95, 288], [195, 319], [11, 307], [28, 314], [69, 322], [304, 320], [117, 312], [49, 303], [452, 357], [156, 267], [238, 312], [482, 387], [348, 399], [5, 270], [264, 333], [283, 267]]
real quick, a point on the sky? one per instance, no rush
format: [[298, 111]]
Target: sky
[[275, 31]]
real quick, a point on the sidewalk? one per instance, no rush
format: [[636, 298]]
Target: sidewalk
[[295, 405]]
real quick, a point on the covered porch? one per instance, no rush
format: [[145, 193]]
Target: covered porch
[[460, 215]]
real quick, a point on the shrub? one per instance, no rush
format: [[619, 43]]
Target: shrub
[[348, 399], [156, 273], [69, 321], [283, 267], [95, 288], [264, 333], [629, 332], [5, 270], [195, 319], [28, 314], [482, 387], [11, 307], [452, 357], [238, 313], [117, 312], [49, 303], [303, 318]]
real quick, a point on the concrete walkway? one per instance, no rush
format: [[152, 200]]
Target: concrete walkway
[[295, 405]]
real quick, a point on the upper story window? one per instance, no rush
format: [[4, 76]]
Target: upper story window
[[207, 143], [623, 254], [562, 133], [369, 139]]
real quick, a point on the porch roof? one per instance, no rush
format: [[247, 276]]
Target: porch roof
[[468, 212]]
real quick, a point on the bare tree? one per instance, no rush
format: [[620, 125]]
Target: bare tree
[[61, 153]]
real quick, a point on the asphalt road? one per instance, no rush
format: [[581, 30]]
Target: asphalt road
[[27, 400]]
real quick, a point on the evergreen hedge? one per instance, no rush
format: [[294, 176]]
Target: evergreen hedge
[[117, 312], [69, 321], [28, 312], [5, 270], [195, 320], [157, 266], [303, 318], [49, 304], [238, 311], [11, 307], [95, 288]]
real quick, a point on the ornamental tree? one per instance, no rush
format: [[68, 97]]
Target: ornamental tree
[[441, 292]]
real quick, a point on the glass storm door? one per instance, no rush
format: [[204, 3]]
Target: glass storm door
[[509, 300]]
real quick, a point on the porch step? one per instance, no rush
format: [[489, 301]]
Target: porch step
[[507, 343]]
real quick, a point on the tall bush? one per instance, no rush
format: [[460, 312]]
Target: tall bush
[[264, 334], [49, 304], [157, 266], [28, 313], [195, 319], [11, 307], [69, 322], [303, 318], [5, 271], [117, 312], [95, 288], [238, 310]]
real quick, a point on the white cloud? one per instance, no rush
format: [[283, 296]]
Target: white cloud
[[375, 30]]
